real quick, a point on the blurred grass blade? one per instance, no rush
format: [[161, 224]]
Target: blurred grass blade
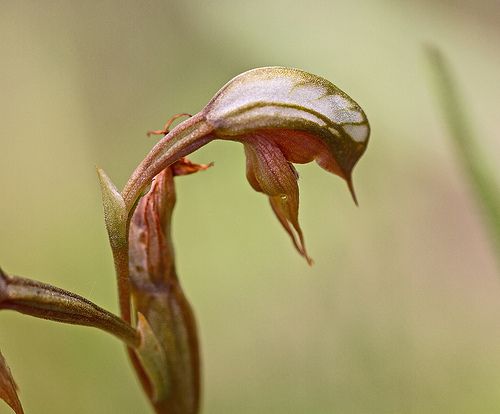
[[486, 189], [8, 387]]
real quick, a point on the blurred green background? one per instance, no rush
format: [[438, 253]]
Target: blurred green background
[[401, 312]]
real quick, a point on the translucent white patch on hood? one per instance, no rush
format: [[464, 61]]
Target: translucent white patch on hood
[[358, 133]]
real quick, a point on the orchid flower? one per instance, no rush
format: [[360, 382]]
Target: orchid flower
[[281, 116]]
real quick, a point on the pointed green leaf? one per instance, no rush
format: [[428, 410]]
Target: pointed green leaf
[[115, 212], [45, 301], [116, 218]]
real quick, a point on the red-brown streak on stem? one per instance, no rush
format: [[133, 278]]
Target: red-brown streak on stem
[[185, 138], [143, 378]]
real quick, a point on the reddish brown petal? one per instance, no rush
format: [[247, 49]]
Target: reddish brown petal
[[269, 172], [8, 388], [186, 167], [151, 254], [301, 147], [151, 251]]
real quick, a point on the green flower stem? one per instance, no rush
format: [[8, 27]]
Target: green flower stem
[[120, 256], [116, 218], [485, 187], [49, 302]]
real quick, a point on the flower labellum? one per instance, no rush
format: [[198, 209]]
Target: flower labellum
[[281, 116]]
